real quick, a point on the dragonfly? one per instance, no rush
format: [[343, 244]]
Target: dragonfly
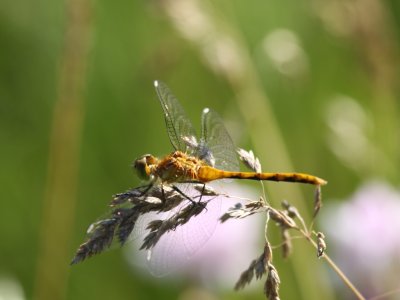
[[177, 190], [195, 160], [200, 160]]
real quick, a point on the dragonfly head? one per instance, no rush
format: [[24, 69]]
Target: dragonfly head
[[143, 166]]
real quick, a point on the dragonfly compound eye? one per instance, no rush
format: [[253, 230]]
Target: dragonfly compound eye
[[141, 166]]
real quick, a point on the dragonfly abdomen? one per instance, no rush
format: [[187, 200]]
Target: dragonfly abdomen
[[286, 177], [206, 174]]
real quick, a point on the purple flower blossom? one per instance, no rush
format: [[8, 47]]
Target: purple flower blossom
[[364, 233]]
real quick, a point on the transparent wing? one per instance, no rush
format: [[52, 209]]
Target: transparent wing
[[177, 246], [180, 130], [216, 146]]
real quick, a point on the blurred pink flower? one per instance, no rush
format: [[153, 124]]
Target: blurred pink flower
[[363, 234]]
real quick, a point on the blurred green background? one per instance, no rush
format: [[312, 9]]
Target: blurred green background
[[310, 86]]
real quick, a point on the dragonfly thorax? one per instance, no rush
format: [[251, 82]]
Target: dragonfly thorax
[[178, 167], [175, 167]]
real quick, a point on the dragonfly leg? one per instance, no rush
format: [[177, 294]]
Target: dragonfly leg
[[189, 198], [147, 189], [201, 196], [182, 193], [202, 191], [164, 197]]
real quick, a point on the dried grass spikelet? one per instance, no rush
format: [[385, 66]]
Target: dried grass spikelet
[[271, 287]]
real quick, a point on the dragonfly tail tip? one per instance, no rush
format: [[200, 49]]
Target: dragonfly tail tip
[[322, 181]]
